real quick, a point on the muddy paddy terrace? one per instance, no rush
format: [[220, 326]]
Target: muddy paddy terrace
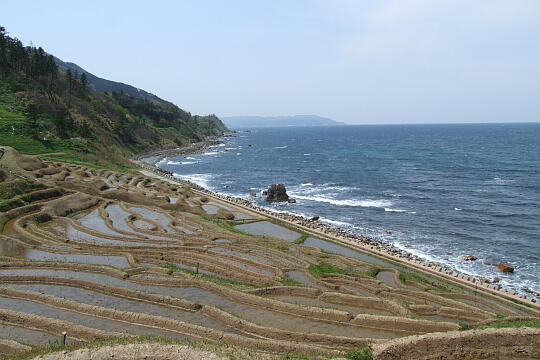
[[101, 254]]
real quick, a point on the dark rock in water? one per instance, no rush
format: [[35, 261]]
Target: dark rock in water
[[468, 257], [291, 201], [315, 218], [265, 192], [505, 268], [277, 192], [253, 194]]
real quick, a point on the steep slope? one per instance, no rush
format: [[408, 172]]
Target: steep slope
[[104, 85], [46, 110]]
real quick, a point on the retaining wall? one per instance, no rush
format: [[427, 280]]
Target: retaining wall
[[474, 344]]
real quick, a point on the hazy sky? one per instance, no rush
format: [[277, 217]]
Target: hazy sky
[[358, 61]]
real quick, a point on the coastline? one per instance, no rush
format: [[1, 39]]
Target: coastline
[[362, 243], [153, 157]]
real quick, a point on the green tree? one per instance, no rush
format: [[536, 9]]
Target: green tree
[[84, 81]]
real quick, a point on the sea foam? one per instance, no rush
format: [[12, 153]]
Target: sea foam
[[350, 202]]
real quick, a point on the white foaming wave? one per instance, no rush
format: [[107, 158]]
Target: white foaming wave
[[190, 158], [280, 147], [416, 251], [350, 202], [458, 209], [399, 210], [210, 153], [337, 223], [199, 179], [501, 181], [273, 209], [238, 154], [310, 188], [394, 210], [181, 162], [230, 148], [307, 154]]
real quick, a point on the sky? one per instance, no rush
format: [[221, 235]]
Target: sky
[[356, 61]]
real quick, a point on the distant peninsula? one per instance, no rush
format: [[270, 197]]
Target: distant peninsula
[[243, 122]]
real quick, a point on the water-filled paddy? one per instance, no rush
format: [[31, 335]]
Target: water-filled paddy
[[94, 298], [267, 228], [82, 319], [25, 336]]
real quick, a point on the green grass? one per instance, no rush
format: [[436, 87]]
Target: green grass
[[364, 354], [8, 116], [225, 225], [372, 272], [288, 281], [14, 188], [74, 158], [24, 144], [234, 284], [301, 239], [428, 281], [15, 193], [318, 270], [512, 324]]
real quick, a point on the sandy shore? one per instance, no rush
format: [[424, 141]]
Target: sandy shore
[[359, 242]]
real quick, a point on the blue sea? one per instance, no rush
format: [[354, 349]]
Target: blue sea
[[438, 191]]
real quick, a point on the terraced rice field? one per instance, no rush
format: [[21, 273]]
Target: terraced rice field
[[123, 255]]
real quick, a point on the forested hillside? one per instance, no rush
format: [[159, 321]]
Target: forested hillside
[[45, 110]]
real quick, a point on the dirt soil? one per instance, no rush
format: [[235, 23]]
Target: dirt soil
[[135, 352]]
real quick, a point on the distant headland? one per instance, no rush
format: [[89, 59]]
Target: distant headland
[[239, 122]]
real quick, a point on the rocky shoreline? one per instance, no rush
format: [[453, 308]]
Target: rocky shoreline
[[153, 157], [148, 162]]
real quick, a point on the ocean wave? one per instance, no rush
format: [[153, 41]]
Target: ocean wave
[[350, 202], [501, 181], [181, 162], [394, 210], [211, 153], [311, 189], [307, 154], [190, 158], [199, 179], [337, 223], [458, 209], [280, 147]]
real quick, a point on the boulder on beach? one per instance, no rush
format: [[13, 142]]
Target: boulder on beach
[[315, 218], [277, 192], [505, 268]]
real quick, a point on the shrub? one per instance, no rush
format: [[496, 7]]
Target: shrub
[[363, 354], [42, 217]]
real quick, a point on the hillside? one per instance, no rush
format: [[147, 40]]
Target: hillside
[[242, 122], [104, 85], [80, 117]]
